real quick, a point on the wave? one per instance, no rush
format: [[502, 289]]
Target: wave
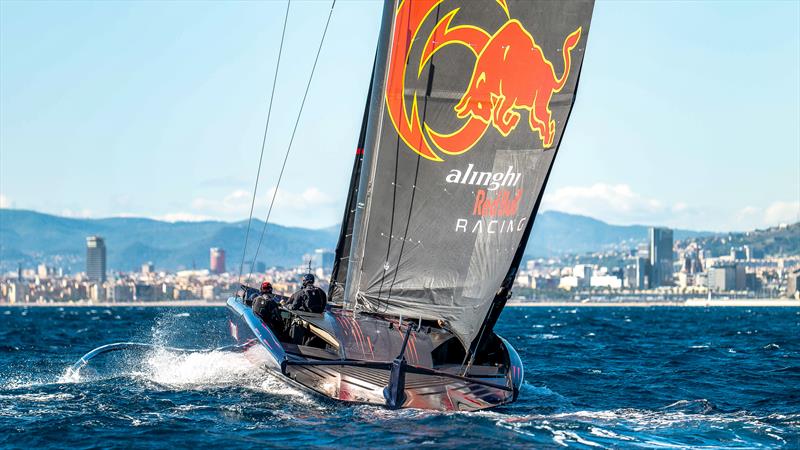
[[685, 423]]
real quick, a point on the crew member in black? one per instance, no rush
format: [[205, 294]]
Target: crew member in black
[[265, 307], [309, 298]]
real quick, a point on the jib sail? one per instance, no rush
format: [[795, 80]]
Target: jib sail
[[469, 102]]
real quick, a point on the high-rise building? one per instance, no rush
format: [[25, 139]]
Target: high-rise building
[[660, 257], [217, 263], [96, 258], [642, 270], [148, 268], [323, 259], [43, 271]]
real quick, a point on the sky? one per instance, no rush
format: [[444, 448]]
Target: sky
[[687, 114]]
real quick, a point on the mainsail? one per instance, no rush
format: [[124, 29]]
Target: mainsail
[[468, 104]]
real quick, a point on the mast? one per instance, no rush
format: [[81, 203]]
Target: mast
[[374, 120]]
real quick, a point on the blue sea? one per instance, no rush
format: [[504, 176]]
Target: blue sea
[[595, 378]]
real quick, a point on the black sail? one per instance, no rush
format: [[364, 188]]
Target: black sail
[[469, 102]]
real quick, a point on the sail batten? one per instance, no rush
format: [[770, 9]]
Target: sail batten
[[458, 142]]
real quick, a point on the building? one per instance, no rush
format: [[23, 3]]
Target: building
[[660, 257], [144, 292], [258, 267], [729, 277], [120, 293], [96, 259], [323, 259], [793, 286], [210, 292], [148, 268], [583, 271], [606, 281], [217, 263], [525, 280], [636, 275], [738, 254], [97, 292], [43, 272]]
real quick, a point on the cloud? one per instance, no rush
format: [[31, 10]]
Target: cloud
[[290, 207], [777, 213], [235, 203], [183, 217], [614, 202], [782, 212], [5, 202], [309, 199], [77, 214]]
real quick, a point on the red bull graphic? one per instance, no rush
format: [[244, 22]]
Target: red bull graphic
[[511, 76]]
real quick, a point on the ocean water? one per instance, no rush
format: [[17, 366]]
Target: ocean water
[[595, 378]]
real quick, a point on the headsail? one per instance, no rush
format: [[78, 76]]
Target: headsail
[[468, 106]]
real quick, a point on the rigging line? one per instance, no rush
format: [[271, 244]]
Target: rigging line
[[294, 131], [263, 143]]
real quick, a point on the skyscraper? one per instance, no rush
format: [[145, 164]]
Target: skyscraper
[[323, 259], [96, 259], [217, 263], [660, 257]]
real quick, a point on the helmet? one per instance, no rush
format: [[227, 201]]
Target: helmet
[[308, 279], [266, 286]]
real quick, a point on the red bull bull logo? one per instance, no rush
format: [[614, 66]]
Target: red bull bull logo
[[512, 80]]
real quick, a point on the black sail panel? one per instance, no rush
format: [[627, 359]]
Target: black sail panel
[[469, 105]]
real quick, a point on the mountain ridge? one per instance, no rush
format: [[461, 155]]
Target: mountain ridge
[[30, 237]]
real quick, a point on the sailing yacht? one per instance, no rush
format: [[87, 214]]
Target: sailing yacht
[[467, 107]]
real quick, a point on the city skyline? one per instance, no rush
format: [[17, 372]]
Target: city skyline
[[640, 271], [167, 124]]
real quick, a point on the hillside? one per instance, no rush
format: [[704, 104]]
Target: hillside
[[772, 241], [556, 233], [28, 238]]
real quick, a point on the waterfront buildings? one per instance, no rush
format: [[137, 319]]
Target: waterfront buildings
[[793, 284], [95, 259]]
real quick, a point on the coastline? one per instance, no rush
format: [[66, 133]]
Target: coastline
[[155, 304], [691, 303]]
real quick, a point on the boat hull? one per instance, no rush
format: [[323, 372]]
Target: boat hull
[[370, 382]]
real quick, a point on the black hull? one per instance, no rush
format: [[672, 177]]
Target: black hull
[[377, 379]]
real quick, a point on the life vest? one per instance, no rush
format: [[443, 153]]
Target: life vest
[[314, 299]]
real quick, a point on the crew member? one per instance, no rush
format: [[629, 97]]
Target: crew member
[[309, 298], [265, 307]]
